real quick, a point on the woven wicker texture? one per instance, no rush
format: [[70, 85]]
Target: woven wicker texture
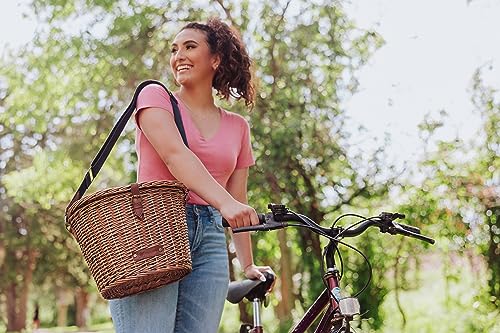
[[126, 254]]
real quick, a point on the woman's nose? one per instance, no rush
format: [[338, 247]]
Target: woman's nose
[[179, 55]]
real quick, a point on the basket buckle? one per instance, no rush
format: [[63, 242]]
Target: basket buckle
[[137, 200]]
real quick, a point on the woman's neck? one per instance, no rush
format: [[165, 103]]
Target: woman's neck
[[198, 99]]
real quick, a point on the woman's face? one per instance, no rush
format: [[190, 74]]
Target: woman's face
[[191, 60]]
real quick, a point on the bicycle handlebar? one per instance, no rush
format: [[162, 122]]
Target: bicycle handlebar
[[279, 217]]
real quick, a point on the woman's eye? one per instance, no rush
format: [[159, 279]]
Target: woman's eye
[[173, 50], [189, 47]]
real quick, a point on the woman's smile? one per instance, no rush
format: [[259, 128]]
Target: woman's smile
[[183, 68]]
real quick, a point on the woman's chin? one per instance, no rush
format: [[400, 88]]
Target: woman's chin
[[184, 81]]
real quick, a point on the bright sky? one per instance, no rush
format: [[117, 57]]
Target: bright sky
[[432, 49]]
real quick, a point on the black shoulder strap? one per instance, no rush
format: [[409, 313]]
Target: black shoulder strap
[[113, 136]]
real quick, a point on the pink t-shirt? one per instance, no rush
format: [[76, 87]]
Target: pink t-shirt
[[227, 150]]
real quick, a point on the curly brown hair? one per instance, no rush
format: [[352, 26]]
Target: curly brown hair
[[233, 77]]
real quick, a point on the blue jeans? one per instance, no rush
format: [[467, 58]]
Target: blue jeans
[[193, 304]]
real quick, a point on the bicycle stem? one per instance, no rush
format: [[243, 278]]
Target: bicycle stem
[[331, 275], [331, 278]]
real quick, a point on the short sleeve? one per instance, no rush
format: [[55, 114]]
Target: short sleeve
[[152, 96], [245, 158]]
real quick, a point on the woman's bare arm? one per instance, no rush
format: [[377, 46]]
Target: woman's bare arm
[[237, 187], [159, 128]]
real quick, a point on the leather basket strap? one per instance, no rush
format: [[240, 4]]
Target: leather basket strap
[[115, 133]]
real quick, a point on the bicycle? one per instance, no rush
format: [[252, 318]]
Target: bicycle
[[340, 311]]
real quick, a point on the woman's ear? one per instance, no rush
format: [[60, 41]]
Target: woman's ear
[[215, 62]]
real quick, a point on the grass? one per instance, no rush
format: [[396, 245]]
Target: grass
[[100, 328], [450, 298]]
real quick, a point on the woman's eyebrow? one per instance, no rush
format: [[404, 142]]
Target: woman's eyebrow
[[186, 42]]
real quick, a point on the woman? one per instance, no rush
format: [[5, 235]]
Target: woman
[[214, 168]]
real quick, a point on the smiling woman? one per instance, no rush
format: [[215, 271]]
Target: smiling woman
[[192, 61], [233, 77], [214, 168]]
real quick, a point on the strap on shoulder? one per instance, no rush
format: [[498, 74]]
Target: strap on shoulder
[[115, 133]]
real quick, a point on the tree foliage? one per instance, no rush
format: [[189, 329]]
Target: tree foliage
[[458, 200], [61, 94]]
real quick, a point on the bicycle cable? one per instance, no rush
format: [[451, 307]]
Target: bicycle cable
[[345, 215], [369, 268], [341, 264], [310, 224], [364, 219]]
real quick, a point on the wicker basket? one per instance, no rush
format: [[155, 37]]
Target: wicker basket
[[134, 238]]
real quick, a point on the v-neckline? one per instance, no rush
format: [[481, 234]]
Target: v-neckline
[[200, 135]]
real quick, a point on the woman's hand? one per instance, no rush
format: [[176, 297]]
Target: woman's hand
[[238, 214], [255, 272]]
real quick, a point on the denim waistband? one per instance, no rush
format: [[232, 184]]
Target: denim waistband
[[202, 210]]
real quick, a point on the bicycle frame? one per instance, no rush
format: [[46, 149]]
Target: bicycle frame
[[326, 299]]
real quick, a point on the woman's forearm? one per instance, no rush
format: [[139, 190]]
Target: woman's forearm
[[189, 170], [243, 246], [237, 187]]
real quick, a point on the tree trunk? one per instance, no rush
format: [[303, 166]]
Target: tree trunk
[[396, 286], [17, 294], [62, 315], [64, 299], [493, 254], [2, 245], [10, 293], [286, 304], [82, 310]]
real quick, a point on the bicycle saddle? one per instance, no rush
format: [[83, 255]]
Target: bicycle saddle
[[249, 289]]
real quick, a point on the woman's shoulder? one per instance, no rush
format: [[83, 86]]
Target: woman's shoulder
[[235, 118], [153, 95], [153, 90]]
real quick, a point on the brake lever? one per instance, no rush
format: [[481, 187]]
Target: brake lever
[[410, 228], [396, 229]]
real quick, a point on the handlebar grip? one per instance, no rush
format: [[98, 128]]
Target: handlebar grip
[[423, 238], [261, 227], [262, 220], [408, 233]]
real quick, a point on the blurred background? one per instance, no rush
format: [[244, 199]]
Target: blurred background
[[362, 106]]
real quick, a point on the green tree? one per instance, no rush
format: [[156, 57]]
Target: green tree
[[457, 203], [61, 94]]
